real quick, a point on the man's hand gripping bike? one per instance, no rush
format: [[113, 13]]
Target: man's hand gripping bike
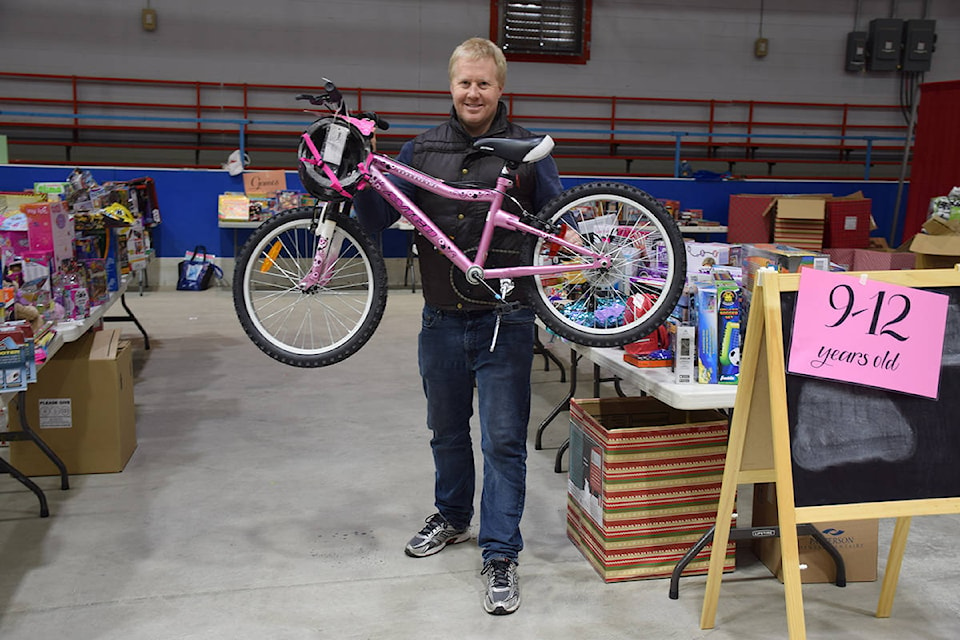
[[602, 264]]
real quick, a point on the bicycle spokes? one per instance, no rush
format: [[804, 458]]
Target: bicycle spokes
[[640, 282], [305, 306]]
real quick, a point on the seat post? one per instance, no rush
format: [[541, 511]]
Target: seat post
[[507, 174]]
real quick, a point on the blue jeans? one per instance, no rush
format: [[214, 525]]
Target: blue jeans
[[455, 354]]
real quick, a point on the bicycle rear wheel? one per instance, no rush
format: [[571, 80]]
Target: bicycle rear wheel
[[625, 302], [321, 325]]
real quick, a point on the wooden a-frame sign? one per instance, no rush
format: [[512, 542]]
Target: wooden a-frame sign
[[759, 450]]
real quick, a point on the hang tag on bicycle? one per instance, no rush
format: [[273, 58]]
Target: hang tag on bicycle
[[334, 143]]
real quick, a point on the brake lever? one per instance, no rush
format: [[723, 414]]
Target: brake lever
[[382, 124], [317, 101]]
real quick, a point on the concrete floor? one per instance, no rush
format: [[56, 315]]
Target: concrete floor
[[267, 502]]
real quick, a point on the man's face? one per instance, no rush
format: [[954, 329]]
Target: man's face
[[475, 92]]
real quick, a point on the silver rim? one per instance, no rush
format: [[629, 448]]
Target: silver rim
[[643, 262], [315, 322]]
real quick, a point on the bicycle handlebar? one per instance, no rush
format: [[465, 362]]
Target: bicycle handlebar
[[333, 99]]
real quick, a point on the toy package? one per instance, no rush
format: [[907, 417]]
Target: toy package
[[97, 288], [50, 229], [233, 206], [76, 302], [287, 200], [704, 308], [783, 258], [683, 340], [18, 365], [728, 328], [702, 257], [87, 247]]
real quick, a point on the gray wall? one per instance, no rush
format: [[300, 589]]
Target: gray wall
[[689, 49]]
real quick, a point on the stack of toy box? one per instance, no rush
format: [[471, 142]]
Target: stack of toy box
[[644, 485], [716, 310]]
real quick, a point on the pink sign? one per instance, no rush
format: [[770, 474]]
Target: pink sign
[[856, 329]]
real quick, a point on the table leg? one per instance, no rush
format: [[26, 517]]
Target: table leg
[[563, 405], [6, 467], [541, 349], [130, 318]]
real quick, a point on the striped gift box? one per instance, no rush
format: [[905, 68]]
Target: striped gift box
[[644, 483], [644, 551]]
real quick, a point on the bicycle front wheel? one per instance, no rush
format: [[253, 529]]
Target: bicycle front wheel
[[622, 303], [325, 323]]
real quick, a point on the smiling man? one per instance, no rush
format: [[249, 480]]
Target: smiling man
[[457, 353], [476, 85]]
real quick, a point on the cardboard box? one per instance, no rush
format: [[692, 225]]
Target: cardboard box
[[841, 256], [936, 251], [82, 406], [799, 221], [806, 221], [634, 457], [848, 222], [871, 259], [856, 540], [941, 227], [644, 483], [651, 550], [746, 219]]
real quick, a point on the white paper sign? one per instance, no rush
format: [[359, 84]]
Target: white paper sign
[[56, 413]]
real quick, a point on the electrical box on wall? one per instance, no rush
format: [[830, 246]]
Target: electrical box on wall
[[856, 51], [148, 18], [918, 43], [761, 47], [883, 44]]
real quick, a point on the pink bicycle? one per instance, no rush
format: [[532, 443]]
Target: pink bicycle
[[603, 262]]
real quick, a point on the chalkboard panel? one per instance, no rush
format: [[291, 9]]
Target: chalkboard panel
[[853, 444]]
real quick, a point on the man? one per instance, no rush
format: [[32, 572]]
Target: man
[[460, 321]]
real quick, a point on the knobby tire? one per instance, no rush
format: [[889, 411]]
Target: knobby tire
[[325, 324]]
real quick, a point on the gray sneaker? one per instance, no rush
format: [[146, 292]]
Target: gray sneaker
[[503, 586], [436, 535]]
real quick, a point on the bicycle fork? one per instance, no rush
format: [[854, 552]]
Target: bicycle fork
[[324, 258]]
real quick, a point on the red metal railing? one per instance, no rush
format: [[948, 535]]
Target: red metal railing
[[103, 120]]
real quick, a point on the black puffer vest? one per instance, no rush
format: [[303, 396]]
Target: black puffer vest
[[445, 152]]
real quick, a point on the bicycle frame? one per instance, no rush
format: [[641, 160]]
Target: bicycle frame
[[375, 169], [377, 166]]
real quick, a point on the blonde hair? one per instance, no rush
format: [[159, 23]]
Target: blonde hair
[[480, 49]]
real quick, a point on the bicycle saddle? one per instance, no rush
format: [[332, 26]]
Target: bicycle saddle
[[516, 149]]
